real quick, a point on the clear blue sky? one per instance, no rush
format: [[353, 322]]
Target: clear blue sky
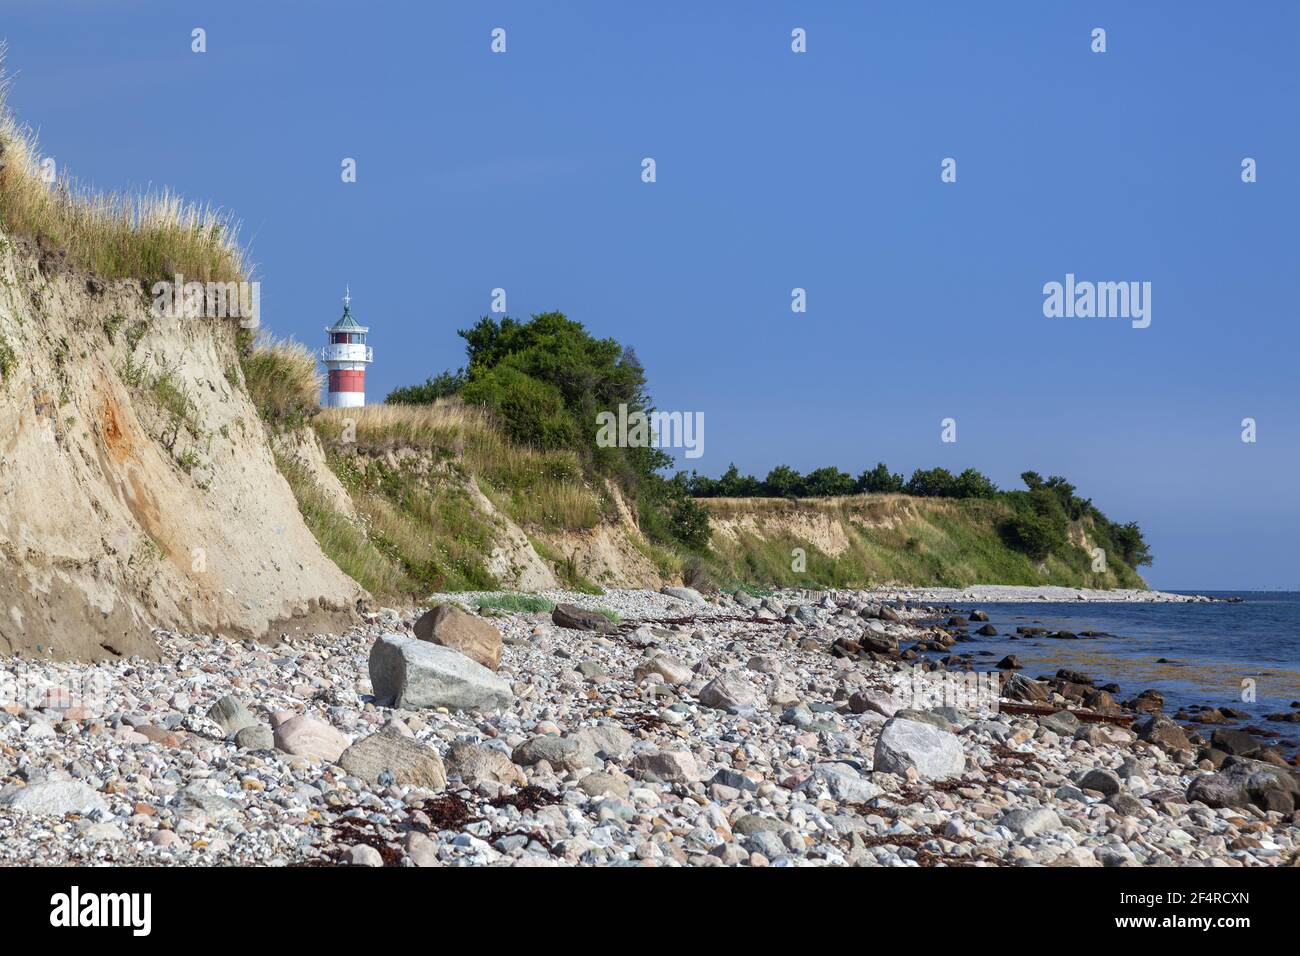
[[775, 170]]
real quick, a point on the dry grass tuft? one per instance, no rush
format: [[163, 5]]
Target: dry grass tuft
[[283, 380], [149, 237]]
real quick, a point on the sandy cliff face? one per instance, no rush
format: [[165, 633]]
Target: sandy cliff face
[[137, 486]]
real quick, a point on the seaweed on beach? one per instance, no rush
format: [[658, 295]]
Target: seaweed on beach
[[529, 797]]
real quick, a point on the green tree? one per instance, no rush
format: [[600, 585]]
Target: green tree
[[879, 480], [783, 482], [443, 385], [827, 482]]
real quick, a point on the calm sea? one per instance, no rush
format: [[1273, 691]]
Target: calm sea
[[1215, 655]]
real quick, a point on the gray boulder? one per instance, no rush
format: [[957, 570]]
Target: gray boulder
[[689, 595], [54, 798], [935, 754], [409, 673]]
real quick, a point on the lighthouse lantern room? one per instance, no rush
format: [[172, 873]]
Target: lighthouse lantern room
[[346, 357]]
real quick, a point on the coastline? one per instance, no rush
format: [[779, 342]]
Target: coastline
[[1033, 593], [686, 731]]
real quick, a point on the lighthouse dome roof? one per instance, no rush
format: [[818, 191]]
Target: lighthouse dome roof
[[347, 323]]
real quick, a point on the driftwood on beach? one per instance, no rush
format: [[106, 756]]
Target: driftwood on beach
[[1045, 710]]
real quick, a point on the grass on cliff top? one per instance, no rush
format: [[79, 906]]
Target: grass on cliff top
[[283, 379], [146, 237], [543, 490], [894, 539]]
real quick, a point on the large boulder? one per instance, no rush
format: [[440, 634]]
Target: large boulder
[[575, 618], [1243, 782], [670, 766], [54, 798], [689, 595], [401, 759], [1163, 732], [409, 673], [1020, 687], [449, 626], [935, 754], [1235, 742], [730, 691], [306, 737]]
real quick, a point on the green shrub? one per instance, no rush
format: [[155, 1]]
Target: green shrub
[[8, 360], [444, 385], [689, 524], [531, 411]]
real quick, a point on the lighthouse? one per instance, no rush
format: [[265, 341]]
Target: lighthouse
[[346, 356]]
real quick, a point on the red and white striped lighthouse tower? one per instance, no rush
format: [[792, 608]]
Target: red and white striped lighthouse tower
[[346, 357]]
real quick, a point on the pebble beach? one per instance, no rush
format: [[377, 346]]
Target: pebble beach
[[631, 728]]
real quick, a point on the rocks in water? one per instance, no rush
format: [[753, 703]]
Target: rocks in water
[[476, 764], [1148, 702], [689, 595], [730, 691], [1010, 662], [1073, 677], [878, 641], [978, 616], [409, 673], [575, 618], [230, 714], [933, 753], [391, 758], [54, 798], [307, 737], [988, 630], [449, 626]]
